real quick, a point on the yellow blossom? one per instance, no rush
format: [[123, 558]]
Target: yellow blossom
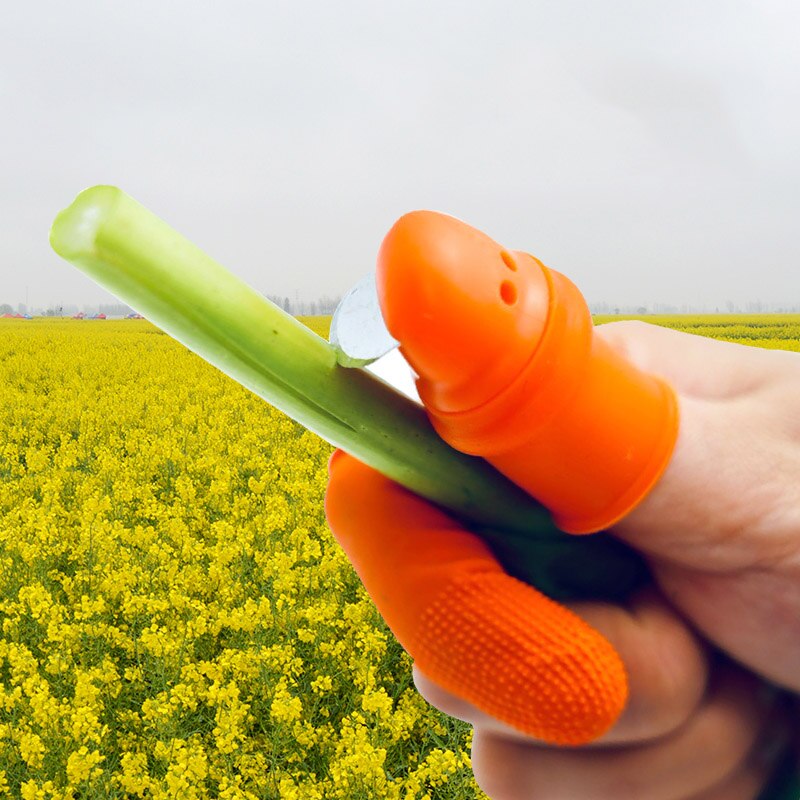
[[81, 764], [31, 749], [177, 619]]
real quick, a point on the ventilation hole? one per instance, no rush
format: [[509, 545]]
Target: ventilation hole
[[508, 292], [508, 260]]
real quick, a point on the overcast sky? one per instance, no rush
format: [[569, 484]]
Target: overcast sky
[[649, 150]]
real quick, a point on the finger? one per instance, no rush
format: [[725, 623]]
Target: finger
[[681, 523], [766, 759], [731, 445], [510, 368], [744, 784], [667, 669], [704, 753], [487, 637], [407, 553]]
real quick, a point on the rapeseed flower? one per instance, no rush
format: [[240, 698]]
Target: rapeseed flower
[[176, 619]]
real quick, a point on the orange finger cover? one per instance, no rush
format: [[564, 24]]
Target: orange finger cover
[[477, 632], [509, 369]]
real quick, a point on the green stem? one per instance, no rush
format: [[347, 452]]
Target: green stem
[[139, 258], [144, 262]]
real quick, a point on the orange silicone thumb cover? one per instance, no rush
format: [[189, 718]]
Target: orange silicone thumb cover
[[509, 369], [479, 633]]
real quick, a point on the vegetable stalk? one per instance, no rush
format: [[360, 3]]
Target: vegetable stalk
[[143, 261]]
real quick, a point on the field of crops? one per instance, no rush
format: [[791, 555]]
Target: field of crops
[[773, 331], [177, 621]]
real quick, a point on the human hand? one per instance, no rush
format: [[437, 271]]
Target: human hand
[[721, 531], [695, 725], [722, 535]]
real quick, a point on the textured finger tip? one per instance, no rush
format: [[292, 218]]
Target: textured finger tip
[[524, 659]]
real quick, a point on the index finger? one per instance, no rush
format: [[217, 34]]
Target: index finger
[[496, 642]]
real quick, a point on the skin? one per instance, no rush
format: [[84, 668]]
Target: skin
[[705, 646]]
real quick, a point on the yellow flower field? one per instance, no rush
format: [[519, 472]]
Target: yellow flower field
[[177, 621], [772, 331]]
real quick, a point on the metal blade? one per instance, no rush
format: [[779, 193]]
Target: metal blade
[[360, 339], [396, 371], [358, 332]]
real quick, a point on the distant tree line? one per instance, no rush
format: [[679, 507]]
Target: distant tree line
[[326, 305], [306, 308], [68, 310], [729, 307], [109, 309]]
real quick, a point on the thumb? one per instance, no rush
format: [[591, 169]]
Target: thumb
[[723, 480], [474, 630], [510, 369], [586, 419]]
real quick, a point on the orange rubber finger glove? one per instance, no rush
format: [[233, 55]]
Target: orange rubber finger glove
[[509, 370], [476, 631]]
